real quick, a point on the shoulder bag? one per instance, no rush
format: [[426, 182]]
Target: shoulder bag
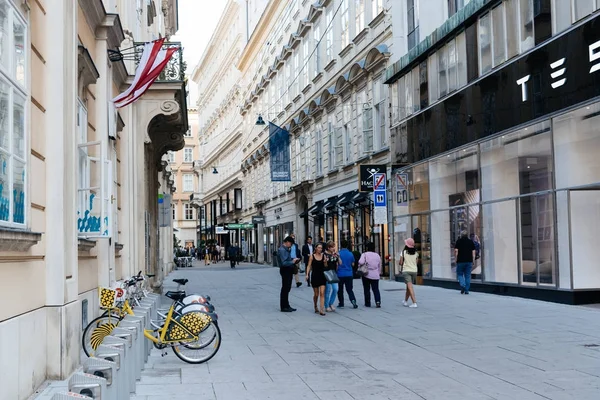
[[331, 276]]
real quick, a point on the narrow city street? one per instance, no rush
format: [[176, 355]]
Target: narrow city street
[[452, 347]]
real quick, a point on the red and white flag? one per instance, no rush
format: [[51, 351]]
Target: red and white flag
[[153, 61]]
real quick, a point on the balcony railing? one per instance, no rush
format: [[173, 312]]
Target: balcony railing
[[174, 70]]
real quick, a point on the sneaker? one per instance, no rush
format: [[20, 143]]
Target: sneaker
[[377, 305], [405, 303], [466, 292], [298, 284], [462, 290], [340, 306], [354, 305], [413, 305]]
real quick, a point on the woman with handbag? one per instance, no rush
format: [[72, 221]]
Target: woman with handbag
[[370, 279], [316, 265], [332, 261], [408, 269]]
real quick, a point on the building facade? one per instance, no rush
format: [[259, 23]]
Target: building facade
[[496, 136], [185, 214], [79, 180], [316, 69]]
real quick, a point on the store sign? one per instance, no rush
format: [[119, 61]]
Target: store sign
[[220, 230], [366, 175], [239, 226], [562, 73], [258, 219]]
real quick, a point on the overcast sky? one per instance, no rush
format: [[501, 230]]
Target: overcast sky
[[197, 21]]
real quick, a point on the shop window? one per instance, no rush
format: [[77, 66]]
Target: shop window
[[454, 179], [499, 242], [585, 230], [576, 144], [517, 163]]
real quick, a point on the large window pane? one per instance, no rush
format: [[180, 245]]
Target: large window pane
[[409, 94], [4, 187], [4, 116], [442, 56], [527, 38], [19, 126], [585, 230], [19, 54], [499, 36], [432, 78], [564, 239], [583, 8], [512, 28], [416, 95], [517, 163], [441, 249], [499, 242], [485, 44], [418, 188], [4, 38], [18, 192], [461, 58], [561, 14], [576, 144], [537, 239], [454, 179], [452, 67]]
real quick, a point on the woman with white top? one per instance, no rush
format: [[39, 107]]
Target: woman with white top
[[408, 269]]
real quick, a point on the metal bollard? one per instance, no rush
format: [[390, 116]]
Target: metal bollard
[[130, 356], [88, 385], [114, 344], [104, 369], [136, 324], [69, 396], [146, 313]]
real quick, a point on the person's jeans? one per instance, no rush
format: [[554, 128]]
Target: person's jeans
[[367, 285], [286, 286], [463, 273], [346, 281], [331, 291]]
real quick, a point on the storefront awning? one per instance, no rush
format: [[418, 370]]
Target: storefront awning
[[317, 208], [331, 202], [346, 199]]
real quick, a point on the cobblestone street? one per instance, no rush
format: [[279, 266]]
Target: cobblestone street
[[452, 347]]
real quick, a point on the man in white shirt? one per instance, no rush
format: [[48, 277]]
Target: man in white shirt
[[307, 251]]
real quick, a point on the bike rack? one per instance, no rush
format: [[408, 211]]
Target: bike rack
[[125, 362], [116, 355], [88, 385], [69, 396], [130, 361], [104, 369], [135, 324]]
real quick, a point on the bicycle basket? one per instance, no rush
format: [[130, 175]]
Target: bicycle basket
[[107, 297], [194, 321]]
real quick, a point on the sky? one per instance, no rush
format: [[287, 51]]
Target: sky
[[197, 21]]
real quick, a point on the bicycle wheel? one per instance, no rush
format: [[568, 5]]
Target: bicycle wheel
[[96, 331], [201, 350]]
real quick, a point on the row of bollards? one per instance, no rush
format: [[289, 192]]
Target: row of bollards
[[112, 373]]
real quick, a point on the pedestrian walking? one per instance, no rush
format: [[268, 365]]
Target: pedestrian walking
[[307, 251], [286, 264], [346, 274], [371, 280], [233, 251], [464, 252], [222, 253], [332, 261], [207, 255], [316, 270], [215, 254], [295, 253], [408, 269]]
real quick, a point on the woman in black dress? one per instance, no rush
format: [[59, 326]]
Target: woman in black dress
[[316, 265]]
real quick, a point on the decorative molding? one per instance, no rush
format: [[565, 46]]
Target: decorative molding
[[18, 240], [11, 259], [38, 104], [346, 50], [38, 207], [87, 257], [330, 65], [37, 53], [37, 155], [85, 244], [361, 35]]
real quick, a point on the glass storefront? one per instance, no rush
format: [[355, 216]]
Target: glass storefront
[[530, 197]]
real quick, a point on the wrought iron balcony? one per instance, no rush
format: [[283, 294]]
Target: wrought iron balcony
[[174, 70]]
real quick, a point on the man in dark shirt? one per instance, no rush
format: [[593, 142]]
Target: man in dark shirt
[[464, 252], [233, 254], [286, 267]]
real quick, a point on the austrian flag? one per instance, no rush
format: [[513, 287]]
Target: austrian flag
[[153, 61]]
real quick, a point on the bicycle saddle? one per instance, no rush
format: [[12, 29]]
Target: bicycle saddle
[[177, 296], [181, 281]]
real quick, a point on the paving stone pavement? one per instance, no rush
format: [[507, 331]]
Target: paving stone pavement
[[452, 346]]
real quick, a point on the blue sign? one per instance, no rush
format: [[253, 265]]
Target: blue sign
[[380, 198], [279, 147], [379, 182]]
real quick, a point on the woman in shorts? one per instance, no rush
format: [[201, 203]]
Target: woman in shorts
[[408, 269]]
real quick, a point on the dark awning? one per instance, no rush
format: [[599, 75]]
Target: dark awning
[[304, 214], [317, 208], [346, 199], [331, 202], [360, 197]]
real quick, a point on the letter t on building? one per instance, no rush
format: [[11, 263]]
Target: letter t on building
[[522, 82]]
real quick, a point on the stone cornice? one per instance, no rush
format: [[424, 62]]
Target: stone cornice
[[259, 35]]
